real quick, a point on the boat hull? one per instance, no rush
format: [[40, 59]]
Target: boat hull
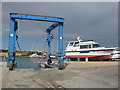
[[99, 55], [91, 57]]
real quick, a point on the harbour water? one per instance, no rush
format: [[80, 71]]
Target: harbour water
[[26, 62]]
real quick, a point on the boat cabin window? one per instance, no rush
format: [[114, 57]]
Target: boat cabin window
[[85, 46], [76, 44], [95, 45], [71, 44], [89, 46]]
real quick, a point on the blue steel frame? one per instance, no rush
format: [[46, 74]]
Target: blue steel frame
[[11, 51], [58, 22]]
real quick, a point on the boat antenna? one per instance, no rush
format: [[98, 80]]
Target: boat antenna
[[78, 38]]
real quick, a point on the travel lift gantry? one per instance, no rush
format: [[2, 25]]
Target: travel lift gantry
[[57, 22]]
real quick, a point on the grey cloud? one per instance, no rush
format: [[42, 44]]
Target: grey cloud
[[96, 21]]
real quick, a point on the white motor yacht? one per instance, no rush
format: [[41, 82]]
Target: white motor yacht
[[87, 50]]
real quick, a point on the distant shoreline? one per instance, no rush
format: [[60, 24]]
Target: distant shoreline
[[21, 53], [6, 53]]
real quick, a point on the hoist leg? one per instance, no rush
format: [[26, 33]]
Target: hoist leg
[[49, 41], [49, 61], [11, 51], [60, 47]]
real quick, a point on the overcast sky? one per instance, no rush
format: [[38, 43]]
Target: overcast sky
[[97, 21]]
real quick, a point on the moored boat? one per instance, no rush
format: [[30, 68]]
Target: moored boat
[[34, 56]]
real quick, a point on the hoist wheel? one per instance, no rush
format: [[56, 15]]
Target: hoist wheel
[[11, 65], [60, 66], [15, 65], [49, 61]]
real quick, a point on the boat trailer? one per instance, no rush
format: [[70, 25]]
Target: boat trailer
[[57, 22]]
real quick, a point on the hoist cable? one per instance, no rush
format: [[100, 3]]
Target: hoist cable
[[18, 44]]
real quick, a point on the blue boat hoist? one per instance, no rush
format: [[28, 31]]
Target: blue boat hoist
[[57, 22]]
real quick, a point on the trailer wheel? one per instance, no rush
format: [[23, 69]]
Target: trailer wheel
[[11, 65]]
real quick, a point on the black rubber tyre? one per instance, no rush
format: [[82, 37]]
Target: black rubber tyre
[[15, 65], [60, 66], [48, 62], [11, 65]]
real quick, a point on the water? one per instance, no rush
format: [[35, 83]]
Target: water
[[25, 62]]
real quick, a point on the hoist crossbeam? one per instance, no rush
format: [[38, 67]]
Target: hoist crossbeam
[[36, 17]]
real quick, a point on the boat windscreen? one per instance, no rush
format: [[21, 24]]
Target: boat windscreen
[[71, 44], [76, 44]]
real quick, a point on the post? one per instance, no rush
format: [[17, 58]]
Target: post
[[11, 51], [78, 59], [66, 59], [60, 45], [86, 59]]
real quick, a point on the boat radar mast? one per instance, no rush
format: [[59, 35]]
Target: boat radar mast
[[78, 38]]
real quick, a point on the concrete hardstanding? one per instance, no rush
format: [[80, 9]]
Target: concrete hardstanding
[[76, 75]]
